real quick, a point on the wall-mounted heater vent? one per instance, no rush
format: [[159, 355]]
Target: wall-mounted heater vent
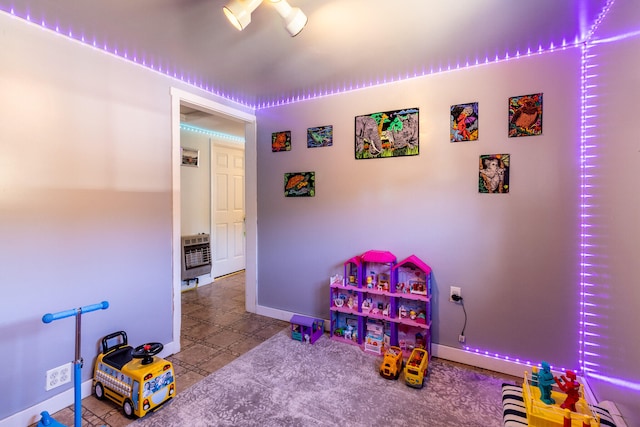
[[196, 256]]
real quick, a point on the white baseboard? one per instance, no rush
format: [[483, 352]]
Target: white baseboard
[[284, 315], [62, 400], [170, 348], [274, 313], [56, 403], [478, 360]]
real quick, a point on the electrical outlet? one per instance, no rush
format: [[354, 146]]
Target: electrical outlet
[[454, 290], [58, 376], [461, 338]]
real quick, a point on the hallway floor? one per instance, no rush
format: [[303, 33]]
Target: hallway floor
[[216, 329]]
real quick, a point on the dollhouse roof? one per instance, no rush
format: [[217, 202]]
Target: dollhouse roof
[[378, 256], [298, 319], [415, 261], [355, 260]]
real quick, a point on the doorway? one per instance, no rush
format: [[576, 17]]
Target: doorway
[[227, 206], [178, 98], [212, 188]]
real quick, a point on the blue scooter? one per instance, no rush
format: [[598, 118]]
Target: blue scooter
[[46, 419]]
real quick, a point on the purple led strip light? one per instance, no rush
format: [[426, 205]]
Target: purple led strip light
[[589, 327], [133, 58], [308, 95], [352, 87]]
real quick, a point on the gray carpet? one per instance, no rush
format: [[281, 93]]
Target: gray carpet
[[287, 383]]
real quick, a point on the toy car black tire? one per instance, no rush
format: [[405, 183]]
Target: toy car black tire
[[98, 390], [127, 408]]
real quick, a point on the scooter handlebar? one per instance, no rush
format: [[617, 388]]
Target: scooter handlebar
[[50, 317]]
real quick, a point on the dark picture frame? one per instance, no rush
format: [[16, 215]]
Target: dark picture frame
[[387, 134]]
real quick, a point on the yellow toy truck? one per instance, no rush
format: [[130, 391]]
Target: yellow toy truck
[[416, 368], [133, 378], [392, 363]]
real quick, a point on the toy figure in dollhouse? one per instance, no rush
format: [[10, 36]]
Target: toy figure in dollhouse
[[348, 332], [366, 305], [402, 312], [350, 302], [371, 280]]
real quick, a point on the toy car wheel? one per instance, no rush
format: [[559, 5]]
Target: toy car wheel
[[127, 408], [99, 391]]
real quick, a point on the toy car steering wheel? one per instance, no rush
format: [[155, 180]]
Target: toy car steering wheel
[[147, 351]]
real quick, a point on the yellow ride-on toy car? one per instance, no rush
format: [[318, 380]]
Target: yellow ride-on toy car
[[135, 379]]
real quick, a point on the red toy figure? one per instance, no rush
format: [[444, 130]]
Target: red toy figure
[[572, 388]]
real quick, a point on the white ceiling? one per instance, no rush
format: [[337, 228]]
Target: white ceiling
[[346, 43]]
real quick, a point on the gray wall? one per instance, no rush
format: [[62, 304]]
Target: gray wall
[[85, 204], [512, 254], [516, 256], [613, 298], [195, 186]]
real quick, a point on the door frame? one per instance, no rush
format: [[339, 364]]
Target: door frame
[[179, 96]]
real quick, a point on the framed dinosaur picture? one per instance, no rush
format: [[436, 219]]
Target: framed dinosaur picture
[[525, 115], [321, 136], [387, 134]]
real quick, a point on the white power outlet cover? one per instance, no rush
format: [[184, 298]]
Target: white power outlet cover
[[454, 290], [58, 376]]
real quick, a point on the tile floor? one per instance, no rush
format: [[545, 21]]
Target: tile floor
[[215, 330]]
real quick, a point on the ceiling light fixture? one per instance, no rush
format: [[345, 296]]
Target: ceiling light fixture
[[238, 12], [294, 19]]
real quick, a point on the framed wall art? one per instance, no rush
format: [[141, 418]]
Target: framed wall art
[[300, 184], [525, 115], [321, 136], [464, 122], [281, 141], [387, 134], [190, 157], [494, 173]]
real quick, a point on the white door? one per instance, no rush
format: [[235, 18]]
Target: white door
[[228, 240]]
